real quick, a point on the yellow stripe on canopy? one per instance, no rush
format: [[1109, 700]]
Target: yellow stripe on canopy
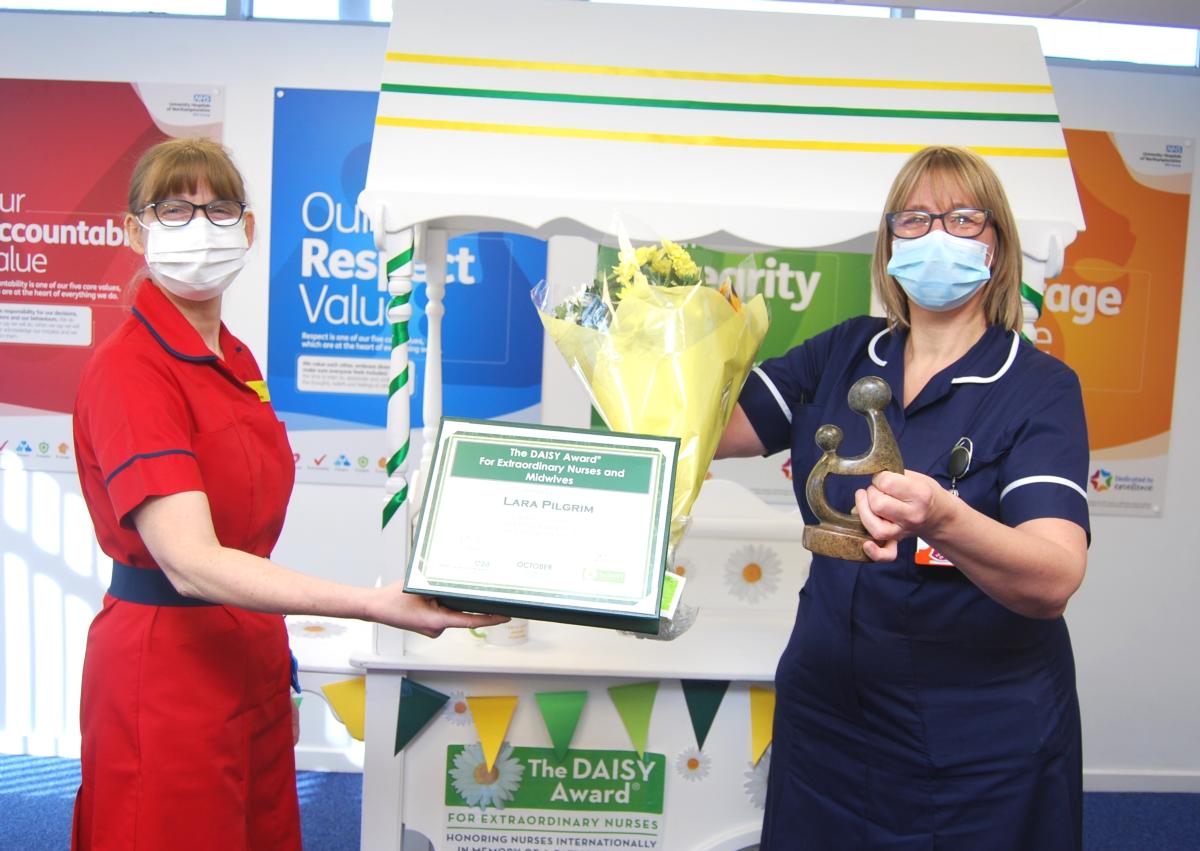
[[710, 141], [716, 76]]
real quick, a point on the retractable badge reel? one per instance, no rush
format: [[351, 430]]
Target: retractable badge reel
[[960, 462]]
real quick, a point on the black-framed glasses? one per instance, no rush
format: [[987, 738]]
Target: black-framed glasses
[[962, 221], [177, 213]]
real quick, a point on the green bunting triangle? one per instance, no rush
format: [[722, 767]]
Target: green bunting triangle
[[561, 711], [418, 704], [634, 704], [703, 700]]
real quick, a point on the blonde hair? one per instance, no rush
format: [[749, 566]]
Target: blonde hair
[[963, 169], [180, 166]]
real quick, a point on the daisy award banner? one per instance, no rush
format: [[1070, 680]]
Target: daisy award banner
[[530, 800], [1113, 313]]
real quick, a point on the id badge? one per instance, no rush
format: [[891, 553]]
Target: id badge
[[930, 557]]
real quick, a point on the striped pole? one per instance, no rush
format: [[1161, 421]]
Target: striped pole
[[1034, 272], [399, 312], [1032, 297], [434, 245]]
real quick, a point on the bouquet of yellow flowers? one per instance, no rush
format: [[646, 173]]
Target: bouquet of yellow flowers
[[661, 352]]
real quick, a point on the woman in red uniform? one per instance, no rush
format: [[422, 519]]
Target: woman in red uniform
[[185, 711]]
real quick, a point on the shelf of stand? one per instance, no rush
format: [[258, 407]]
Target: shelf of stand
[[722, 645]]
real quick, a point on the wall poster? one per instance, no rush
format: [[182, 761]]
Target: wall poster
[[65, 271], [328, 335], [1113, 313], [807, 292]]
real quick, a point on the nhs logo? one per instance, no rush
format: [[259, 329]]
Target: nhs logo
[[1174, 149]]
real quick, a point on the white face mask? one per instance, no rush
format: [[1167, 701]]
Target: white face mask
[[197, 261]]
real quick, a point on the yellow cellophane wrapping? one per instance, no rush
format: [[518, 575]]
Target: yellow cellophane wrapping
[[672, 363]]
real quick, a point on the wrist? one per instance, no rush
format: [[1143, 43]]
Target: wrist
[[365, 606], [943, 510]]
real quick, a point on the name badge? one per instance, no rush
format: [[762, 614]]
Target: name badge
[[930, 557], [260, 387]]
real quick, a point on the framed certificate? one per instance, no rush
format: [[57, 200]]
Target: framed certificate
[[548, 523]]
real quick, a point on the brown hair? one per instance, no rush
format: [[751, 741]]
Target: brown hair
[[179, 166], [944, 165]]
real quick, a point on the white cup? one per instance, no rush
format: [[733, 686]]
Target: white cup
[[515, 631]]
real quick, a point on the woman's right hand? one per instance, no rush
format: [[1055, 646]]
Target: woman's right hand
[[392, 606]]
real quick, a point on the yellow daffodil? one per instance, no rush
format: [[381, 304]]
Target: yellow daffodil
[[674, 249], [661, 264], [685, 268], [625, 270]]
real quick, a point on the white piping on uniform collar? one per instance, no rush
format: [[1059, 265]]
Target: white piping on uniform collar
[[871, 349], [979, 379], [965, 379]]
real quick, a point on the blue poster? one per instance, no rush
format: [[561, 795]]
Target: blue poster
[[328, 336]]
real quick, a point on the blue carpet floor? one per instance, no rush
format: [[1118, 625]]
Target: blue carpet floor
[[36, 795]]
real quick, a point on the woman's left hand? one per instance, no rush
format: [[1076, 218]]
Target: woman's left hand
[[393, 606], [896, 506]]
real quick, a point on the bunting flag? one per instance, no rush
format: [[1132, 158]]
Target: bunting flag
[[762, 716], [418, 704], [703, 700], [561, 711], [492, 716], [635, 703], [348, 700]]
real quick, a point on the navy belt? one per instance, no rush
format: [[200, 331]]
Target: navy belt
[[148, 586], [151, 587]]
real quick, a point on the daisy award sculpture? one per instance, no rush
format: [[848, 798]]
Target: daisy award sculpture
[[838, 534]]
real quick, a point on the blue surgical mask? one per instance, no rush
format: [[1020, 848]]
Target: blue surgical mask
[[939, 271]]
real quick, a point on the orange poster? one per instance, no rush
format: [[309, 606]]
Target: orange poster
[[1113, 313]]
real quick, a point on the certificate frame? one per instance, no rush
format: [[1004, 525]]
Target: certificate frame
[[546, 522]]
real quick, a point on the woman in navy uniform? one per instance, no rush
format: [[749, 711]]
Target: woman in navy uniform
[[926, 699]]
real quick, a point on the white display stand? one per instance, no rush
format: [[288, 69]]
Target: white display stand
[[736, 638], [727, 129]]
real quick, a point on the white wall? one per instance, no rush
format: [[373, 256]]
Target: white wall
[[1133, 623], [1136, 636]]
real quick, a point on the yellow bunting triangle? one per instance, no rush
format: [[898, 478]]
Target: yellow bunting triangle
[[348, 700], [762, 716], [492, 715]]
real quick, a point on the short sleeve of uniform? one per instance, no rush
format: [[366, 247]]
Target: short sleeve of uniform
[[1045, 472], [776, 387], [139, 428]]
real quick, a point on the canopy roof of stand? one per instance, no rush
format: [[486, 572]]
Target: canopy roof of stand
[[778, 130]]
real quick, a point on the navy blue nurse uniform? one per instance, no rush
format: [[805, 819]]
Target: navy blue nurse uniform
[[913, 711]]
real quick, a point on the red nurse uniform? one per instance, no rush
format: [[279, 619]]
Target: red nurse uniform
[[185, 710]]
